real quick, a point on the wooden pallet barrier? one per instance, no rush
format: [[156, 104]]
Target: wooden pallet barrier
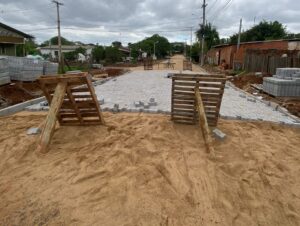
[[183, 107], [187, 65], [148, 63], [72, 101]]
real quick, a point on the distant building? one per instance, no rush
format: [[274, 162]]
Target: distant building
[[235, 58], [10, 38], [52, 50]]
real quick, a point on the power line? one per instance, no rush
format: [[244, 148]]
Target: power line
[[221, 10], [23, 10], [212, 6]]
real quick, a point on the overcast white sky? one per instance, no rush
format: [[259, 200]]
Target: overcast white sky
[[104, 21]]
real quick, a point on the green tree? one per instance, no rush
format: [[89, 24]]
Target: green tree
[[80, 50], [177, 47], [261, 32], [73, 55], [162, 46], [54, 41], [211, 35], [195, 51], [98, 53], [112, 54], [29, 48], [117, 44]]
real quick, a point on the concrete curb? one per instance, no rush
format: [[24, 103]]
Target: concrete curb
[[20, 107], [296, 125], [271, 104]]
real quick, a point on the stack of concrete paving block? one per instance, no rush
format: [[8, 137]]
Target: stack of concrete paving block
[[4, 74], [24, 69], [27, 69], [286, 82], [50, 68]]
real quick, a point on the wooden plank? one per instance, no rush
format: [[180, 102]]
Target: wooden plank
[[83, 115], [94, 97], [82, 96], [183, 114], [75, 107], [57, 79], [203, 90], [204, 95], [183, 97], [191, 106], [81, 124], [211, 85], [189, 102], [203, 122], [183, 89], [199, 75], [49, 127], [80, 90], [184, 122], [206, 79], [183, 110], [80, 104]]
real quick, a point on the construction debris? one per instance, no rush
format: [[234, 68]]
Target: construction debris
[[219, 134], [33, 131]]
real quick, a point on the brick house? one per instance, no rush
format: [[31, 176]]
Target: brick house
[[235, 59]]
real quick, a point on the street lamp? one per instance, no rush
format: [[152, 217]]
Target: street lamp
[[154, 56]]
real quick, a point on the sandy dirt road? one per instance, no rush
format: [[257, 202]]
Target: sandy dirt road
[[178, 60], [142, 169]]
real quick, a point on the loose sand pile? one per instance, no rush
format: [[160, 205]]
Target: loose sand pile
[[142, 169]]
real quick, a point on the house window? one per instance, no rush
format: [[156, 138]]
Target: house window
[[56, 53]]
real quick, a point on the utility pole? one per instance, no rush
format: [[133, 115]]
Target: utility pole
[[60, 56], [191, 44], [203, 24], [154, 56], [239, 38]]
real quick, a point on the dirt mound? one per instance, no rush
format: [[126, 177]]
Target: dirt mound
[[244, 81], [19, 92], [110, 71], [142, 169]]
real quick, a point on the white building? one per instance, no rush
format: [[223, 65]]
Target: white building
[[53, 50]]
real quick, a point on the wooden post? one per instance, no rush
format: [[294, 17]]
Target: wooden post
[[94, 97], [49, 127], [203, 122]]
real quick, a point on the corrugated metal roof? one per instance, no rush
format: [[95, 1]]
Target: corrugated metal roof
[[15, 30], [255, 42]]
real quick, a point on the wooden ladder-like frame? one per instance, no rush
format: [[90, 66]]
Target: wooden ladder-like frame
[[72, 101]]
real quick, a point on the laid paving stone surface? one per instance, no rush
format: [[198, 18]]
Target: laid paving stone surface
[[150, 91]]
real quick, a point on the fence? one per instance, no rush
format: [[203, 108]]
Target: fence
[[268, 60]]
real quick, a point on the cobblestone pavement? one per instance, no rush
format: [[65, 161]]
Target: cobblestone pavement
[[132, 92]]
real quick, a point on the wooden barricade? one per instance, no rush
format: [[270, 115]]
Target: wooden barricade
[[72, 101], [183, 107], [148, 64], [187, 65]]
